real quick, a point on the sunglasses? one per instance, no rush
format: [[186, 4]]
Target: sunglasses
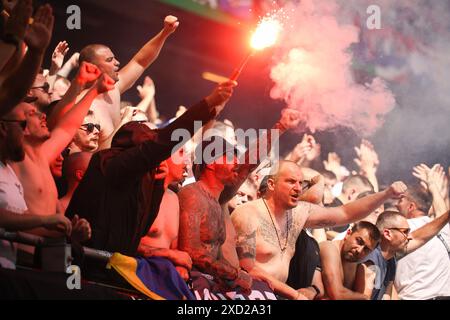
[[22, 123], [45, 87], [89, 127]]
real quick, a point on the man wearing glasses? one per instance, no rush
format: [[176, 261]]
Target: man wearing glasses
[[39, 93], [86, 137], [379, 267]]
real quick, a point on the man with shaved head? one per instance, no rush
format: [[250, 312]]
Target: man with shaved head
[[268, 228], [378, 271], [107, 106]]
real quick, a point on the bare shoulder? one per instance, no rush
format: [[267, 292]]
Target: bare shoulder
[[189, 191], [249, 209], [327, 247]]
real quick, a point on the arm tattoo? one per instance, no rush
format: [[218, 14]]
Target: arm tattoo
[[246, 246], [201, 231]]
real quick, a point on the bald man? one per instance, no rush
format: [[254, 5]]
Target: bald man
[[268, 228], [107, 106], [74, 168]]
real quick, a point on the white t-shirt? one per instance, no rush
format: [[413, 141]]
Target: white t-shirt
[[424, 273], [11, 199]]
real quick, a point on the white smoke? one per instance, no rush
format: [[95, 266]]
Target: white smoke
[[313, 71]]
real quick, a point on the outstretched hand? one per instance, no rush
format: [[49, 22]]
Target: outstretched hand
[[39, 34], [367, 159], [20, 16], [147, 89], [59, 53]]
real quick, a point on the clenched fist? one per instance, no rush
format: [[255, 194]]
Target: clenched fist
[[397, 190], [87, 73], [171, 24]]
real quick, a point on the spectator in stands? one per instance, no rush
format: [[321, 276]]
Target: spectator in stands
[[340, 261], [161, 239], [14, 213], [425, 273], [268, 228], [396, 240], [42, 147], [107, 106], [87, 135], [121, 191]]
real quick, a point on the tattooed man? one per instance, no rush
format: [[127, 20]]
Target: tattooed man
[[268, 228], [202, 223]]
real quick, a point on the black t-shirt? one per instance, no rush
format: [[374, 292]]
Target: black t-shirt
[[304, 262]]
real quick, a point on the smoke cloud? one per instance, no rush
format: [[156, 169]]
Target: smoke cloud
[[313, 72]]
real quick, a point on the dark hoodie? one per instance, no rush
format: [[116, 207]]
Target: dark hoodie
[[118, 194]]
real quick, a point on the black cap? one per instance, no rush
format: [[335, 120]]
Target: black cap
[[210, 150]]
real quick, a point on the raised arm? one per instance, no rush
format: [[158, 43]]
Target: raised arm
[[422, 235], [354, 211], [166, 141], [314, 194], [66, 128], [87, 74], [145, 57], [435, 181], [290, 119], [14, 31], [332, 275], [37, 38], [368, 162]]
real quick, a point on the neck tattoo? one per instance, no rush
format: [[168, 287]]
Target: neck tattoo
[[282, 248]]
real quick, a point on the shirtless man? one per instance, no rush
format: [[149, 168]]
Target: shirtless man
[[268, 228], [42, 147], [202, 224], [162, 238], [340, 261], [107, 105]]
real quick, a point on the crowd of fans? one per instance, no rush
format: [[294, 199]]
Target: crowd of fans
[[77, 162]]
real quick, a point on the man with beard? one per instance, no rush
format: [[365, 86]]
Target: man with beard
[[42, 148], [339, 261], [202, 224], [14, 213], [107, 106], [268, 228]]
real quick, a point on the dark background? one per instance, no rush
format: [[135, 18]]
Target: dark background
[[201, 45]]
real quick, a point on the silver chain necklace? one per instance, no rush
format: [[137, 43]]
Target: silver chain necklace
[[283, 249]]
